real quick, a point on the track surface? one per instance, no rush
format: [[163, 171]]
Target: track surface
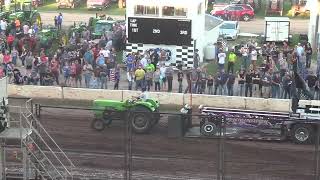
[[155, 155]]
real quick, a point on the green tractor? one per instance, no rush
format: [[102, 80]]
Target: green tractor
[[144, 114], [24, 12], [100, 24], [50, 38]]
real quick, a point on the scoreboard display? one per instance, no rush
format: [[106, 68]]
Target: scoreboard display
[[159, 31]]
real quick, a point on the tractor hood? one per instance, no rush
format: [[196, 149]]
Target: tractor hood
[[15, 15]]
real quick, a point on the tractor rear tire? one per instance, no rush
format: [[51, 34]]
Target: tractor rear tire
[[141, 120], [98, 124]]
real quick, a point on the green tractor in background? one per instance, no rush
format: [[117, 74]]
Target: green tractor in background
[[100, 25], [50, 38], [144, 114], [25, 13]]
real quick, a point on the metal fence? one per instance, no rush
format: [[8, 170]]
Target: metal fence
[[174, 149]]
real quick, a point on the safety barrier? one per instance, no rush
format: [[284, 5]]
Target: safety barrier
[[165, 98]]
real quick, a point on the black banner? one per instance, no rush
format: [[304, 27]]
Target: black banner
[[159, 31]]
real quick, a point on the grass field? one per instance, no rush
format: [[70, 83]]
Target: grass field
[[52, 6]]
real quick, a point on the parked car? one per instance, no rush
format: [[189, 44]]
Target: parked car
[[229, 30], [238, 11], [68, 3], [98, 4]]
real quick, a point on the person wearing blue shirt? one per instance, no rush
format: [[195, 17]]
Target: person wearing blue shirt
[[88, 57], [129, 62]]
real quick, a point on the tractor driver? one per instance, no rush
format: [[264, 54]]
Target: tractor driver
[[143, 96]]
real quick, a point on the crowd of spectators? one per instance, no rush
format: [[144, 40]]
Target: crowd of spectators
[[264, 72]]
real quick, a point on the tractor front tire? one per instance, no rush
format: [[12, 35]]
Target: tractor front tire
[[141, 120], [98, 124]]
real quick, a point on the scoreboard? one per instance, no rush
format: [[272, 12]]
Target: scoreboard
[[159, 31]]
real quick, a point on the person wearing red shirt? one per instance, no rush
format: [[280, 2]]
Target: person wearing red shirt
[[55, 69], [10, 40]]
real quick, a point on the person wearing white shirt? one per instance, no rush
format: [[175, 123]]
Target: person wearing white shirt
[[104, 52], [130, 79], [254, 57], [25, 29], [221, 59], [300, 50], [144, 62], [3, 25]]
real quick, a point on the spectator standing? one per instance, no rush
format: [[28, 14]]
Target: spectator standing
[[223, 83], [54, 68], [66, 74], [308, 50], [230, 83], [78, 78], [3, 25], [311, 81], [163, 79], [275, 85], [116, 78], [130, 79], [149, 78], [55, 19], [14, 55], [318, 63], [42, 72], [245, 56], [60, 19], [210, 85], [29, 60], [256, 84], [254, 57], [196, 59], [180, 77], [232, 57], [217, 82], [248, 83], [266, 83], [221, 59], [25, 29], [139, 74], [241, 82], [130, 62], [202, 81], [88, 57], [169, 75], [286, 84], [299, 50], [87, 72], [189, 82], [10, 40], [194, 80], [156, 78]]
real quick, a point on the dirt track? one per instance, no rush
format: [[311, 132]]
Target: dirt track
[[156, 155]]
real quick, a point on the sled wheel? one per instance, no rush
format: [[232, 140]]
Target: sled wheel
[[208, 129], [141, 121], [302, 133], [98, 124]]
